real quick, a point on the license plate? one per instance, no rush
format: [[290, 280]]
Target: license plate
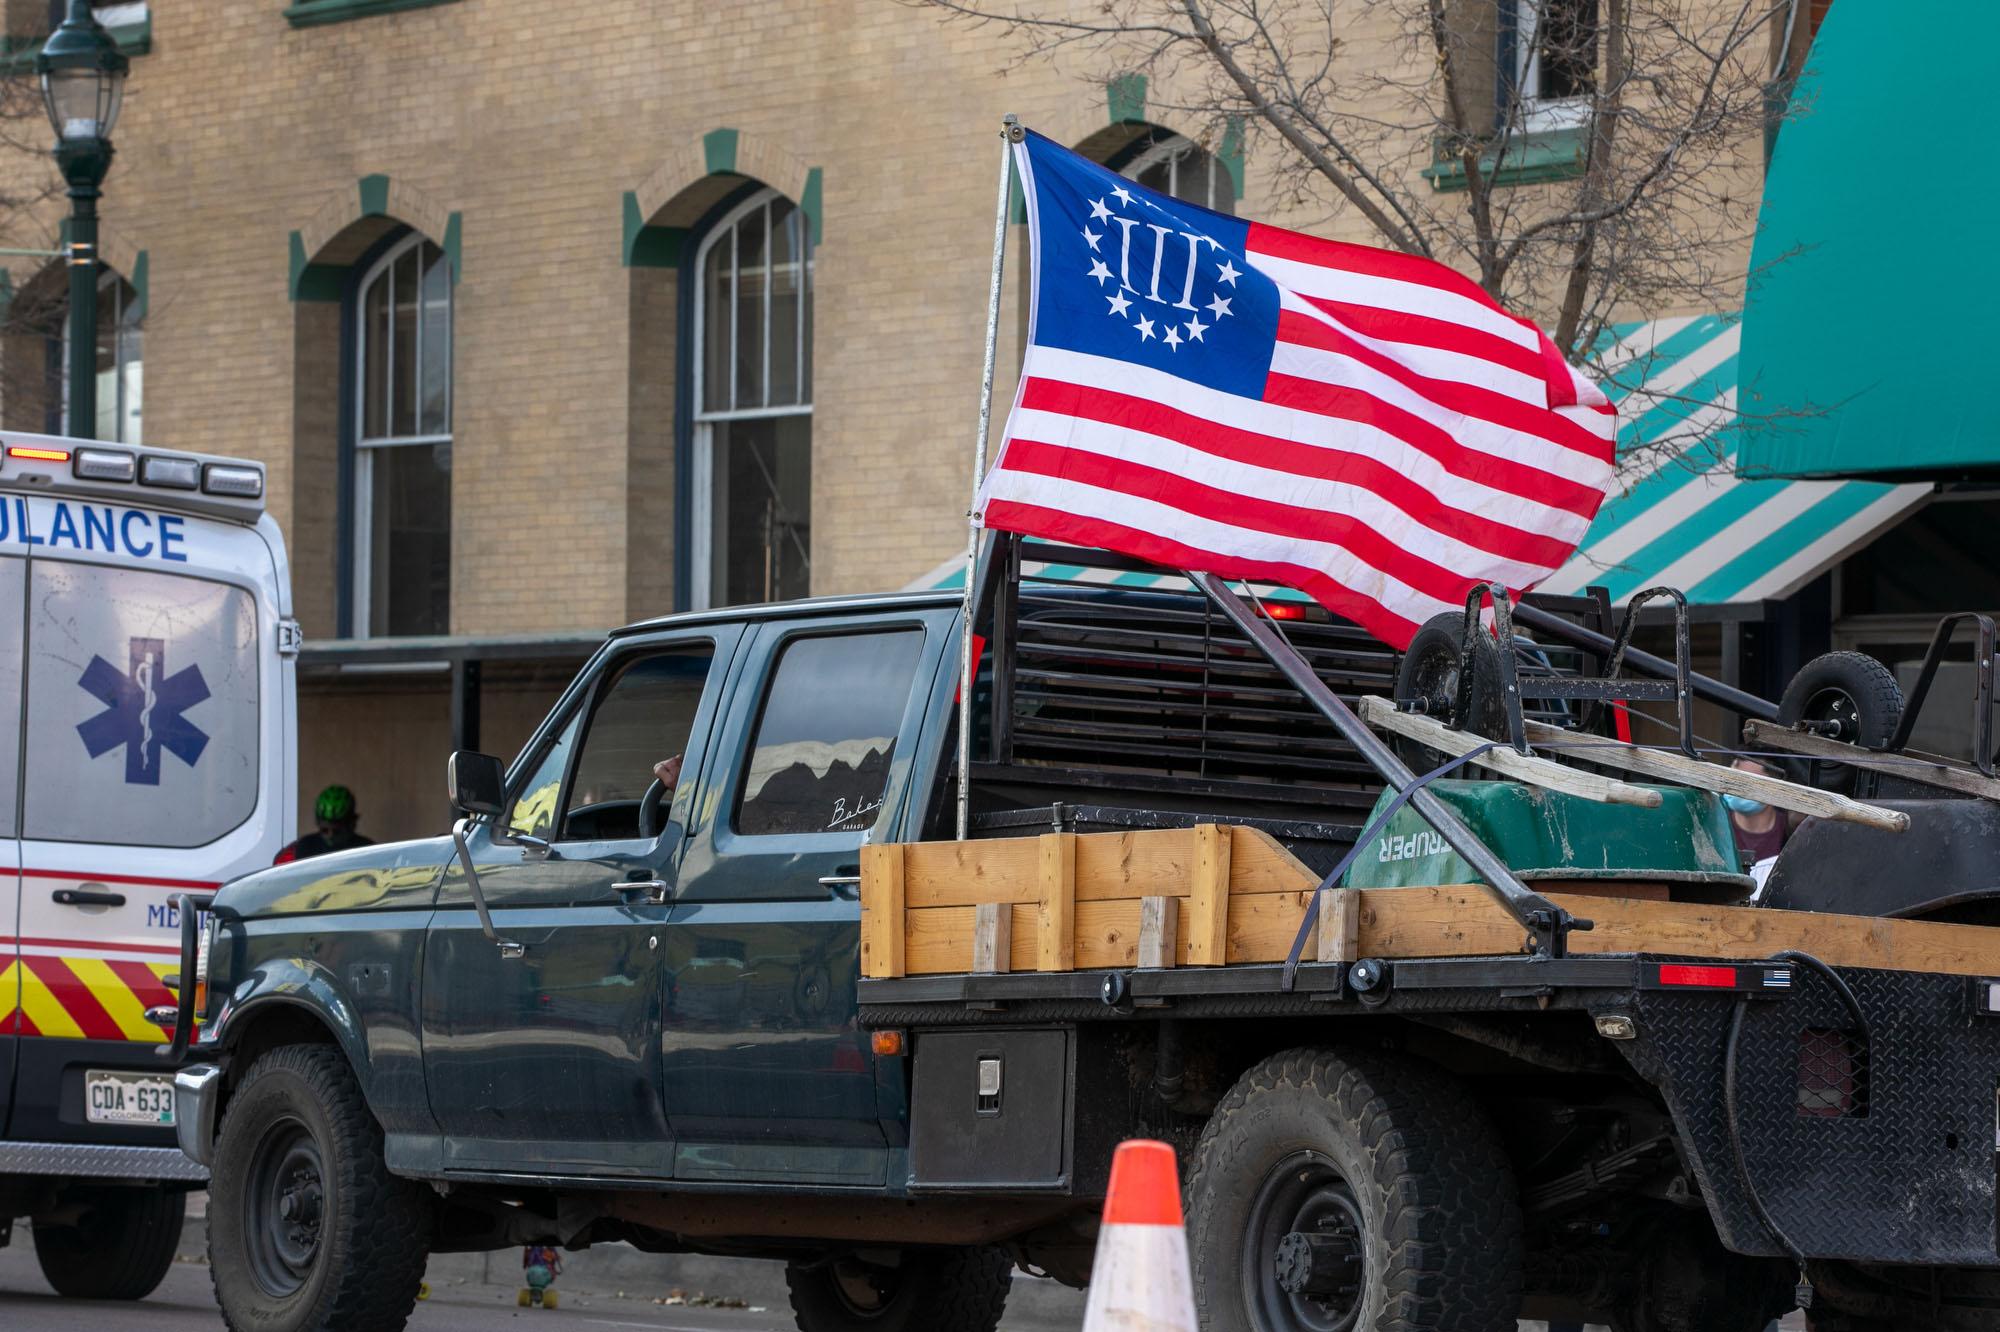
[[127, 1098]]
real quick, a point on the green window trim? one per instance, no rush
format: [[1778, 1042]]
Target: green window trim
[[1125, 98], [316, 13], [17, 54], [1529, 159]]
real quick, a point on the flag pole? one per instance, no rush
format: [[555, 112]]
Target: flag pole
[[1010, 132]]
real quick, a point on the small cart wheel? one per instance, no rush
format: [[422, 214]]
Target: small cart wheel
[[1844, 696], [1429, 675]]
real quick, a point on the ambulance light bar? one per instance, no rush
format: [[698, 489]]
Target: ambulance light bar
[[241, 482], [104, 465], [38, 455], [169, 473]]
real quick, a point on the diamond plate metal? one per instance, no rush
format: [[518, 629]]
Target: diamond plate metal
[[95, 1161], [1911, 1180]]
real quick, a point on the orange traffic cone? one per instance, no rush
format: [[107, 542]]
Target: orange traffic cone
[[1139, 1281]]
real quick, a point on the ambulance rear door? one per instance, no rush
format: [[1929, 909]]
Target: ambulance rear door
[[154, 753]]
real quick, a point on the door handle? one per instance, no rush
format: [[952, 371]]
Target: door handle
[[847, 886], [646, 890], [87, 896]]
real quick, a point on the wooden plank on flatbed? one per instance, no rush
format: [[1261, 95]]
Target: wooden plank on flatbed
[[882, 913], [1465, 921], [1677, 767], [1055, 903], [1208, 935], [1929, 769], [1382, 715]]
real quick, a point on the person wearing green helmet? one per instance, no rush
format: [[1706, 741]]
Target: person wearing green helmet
[[336, 814]]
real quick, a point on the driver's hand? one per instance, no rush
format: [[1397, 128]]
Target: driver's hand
[[669, 772]]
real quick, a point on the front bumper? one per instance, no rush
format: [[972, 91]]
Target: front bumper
[[197, 1090], [89, 1160]]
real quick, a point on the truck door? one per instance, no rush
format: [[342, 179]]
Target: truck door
[[549, 1061], [13, 621], [768, 1074]]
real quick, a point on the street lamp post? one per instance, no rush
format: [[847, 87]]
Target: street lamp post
[[83, 83]]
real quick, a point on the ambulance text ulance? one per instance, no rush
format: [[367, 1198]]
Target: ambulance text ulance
[[104, 527]]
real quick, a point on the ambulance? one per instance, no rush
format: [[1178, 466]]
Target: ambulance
[[148, 748]]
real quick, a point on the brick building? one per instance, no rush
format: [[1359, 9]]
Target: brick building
[[546, 318]]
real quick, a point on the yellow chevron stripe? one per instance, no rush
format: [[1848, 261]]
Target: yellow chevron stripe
[[49, 1017], [10, 995], [119, 1002]]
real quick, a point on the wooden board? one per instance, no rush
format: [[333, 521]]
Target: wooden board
[[1382, 715], [1929, 769], [882, 930], [1676, 767]]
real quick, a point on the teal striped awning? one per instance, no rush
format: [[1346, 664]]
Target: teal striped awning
[[1676, 512]]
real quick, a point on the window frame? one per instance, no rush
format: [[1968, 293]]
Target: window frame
[[701, 470], [361, 514], [1170, 147], [1538, 113], [781, 638], [605, 682]]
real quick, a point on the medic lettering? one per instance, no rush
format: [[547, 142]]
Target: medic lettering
[[105, 527]]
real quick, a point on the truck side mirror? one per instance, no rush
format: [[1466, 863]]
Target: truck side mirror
[[478, 783]]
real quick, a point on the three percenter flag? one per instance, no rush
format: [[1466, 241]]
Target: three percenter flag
[[1204, 392]]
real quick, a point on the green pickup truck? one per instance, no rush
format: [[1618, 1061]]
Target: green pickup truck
[[624, 1001]]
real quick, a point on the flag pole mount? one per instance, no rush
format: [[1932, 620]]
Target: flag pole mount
[[1010, 134]]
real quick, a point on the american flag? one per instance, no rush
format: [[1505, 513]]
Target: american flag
[[1209, 393]]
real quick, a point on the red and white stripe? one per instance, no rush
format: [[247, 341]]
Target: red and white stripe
[[1413, 438]]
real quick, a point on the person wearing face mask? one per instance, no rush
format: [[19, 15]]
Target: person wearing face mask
[[1760, 830]]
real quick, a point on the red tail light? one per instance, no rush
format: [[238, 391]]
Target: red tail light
[[1708, 978]]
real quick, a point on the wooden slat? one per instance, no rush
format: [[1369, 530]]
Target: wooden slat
[[1929, 769], [1055, 903], [1208, 926], [1382, 715], [1151, 862], [1259, 863], [1464, 921], [1001, 869], [1340, 925], [882, 924], [992, 937], [1677, 767], [1261, 927], [1159, 931]]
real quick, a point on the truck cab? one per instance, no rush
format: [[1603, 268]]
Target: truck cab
[[146, 671]]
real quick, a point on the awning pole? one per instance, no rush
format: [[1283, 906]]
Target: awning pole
[[1547, 923], [1010, 132]]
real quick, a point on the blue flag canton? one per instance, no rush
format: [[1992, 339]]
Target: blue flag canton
[[1127, 273]]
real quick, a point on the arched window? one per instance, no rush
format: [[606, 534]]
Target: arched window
[[751, 504], [401, 503], [1164, 161], [120, 363]]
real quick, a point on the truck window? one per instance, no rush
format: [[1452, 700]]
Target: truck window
[[643, 718], [13, 591], [819, 760], [142, 706], [534, 808]]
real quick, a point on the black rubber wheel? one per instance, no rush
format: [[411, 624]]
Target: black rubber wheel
[[119, 1247], [1429, 672], [1345, 1191], [307, 1229], [1851, 694], [928, 1290]]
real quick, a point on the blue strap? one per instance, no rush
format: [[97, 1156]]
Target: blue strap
[[1375, 825]]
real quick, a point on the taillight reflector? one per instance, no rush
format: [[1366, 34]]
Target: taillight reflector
[[1680, 973], [1284, 610], [37, 455]]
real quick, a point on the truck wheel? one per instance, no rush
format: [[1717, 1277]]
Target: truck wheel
[[307, 1229], [949, 1290], [119, 1248], [1850, 690], [1352, 1192]]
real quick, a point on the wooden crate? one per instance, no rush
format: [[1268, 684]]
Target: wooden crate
[[1074, 901]]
